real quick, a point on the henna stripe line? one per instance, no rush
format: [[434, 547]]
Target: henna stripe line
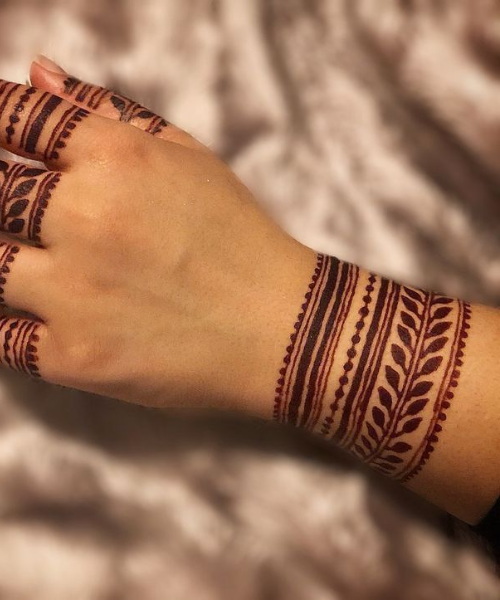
[[39, 123], [308, 308], [57, 129], [7, 97], [309, 345], [40, 204], [319, 348], [75, 115], [31, 117], [281, 397], [19, 339], [333, 346], [6, 189]]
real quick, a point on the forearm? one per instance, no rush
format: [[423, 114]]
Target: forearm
[[406, 380]]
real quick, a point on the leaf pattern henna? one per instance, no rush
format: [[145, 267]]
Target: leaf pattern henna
[[94, 96], [24, 195], [391, 389]]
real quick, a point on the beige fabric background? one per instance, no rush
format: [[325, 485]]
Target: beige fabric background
[[369, 133]]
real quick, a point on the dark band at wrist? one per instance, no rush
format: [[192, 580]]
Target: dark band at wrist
[[489, 529]]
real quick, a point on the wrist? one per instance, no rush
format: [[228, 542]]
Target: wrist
[[271, 307]]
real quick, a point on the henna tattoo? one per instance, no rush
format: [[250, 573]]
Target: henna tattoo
[[62, 131], [33, 113], [7, 256], [378, 380], [94, 96], [24, 195], [19, 351], [19, 336], [18, 108]]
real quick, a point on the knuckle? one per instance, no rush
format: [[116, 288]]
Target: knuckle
[[83, 358]]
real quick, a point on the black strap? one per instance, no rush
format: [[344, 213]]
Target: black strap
[[489, 529]]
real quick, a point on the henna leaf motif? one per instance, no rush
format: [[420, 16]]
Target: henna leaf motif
[[366, 442], [3, 166], [118, 103], [411, 425], [378, 416], [410, 305], [385, 398], [16, 226], [399, 356], [400, 447], [360, 450], [387, 467], [417, 406], [441, 313], [421, 388], [17, 208], [24, 188], [431, 365], [413, 294], [439, 329], [408, 320], [435, 346], [372, 432], [145, 114], [393, 459], [392, 377], [442, 300], [405, 336]]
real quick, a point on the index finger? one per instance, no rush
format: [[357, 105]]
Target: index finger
[[39, 125]]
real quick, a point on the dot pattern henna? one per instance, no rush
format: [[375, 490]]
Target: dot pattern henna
[[24, 195], [373, 365], [39, 111], [7, 255], [94, 96]]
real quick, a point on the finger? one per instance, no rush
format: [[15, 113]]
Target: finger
[[48, 76], [41, 126], [21, 344], [22, 278], [25, 193]]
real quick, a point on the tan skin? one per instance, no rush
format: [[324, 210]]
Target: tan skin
[[159, 280]]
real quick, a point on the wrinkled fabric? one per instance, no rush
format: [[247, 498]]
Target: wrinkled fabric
[[369, 133]]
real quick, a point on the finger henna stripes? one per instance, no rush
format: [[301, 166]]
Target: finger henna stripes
[[93, 97], [18, 339], [33, 115], [24, 195], [373, 365]]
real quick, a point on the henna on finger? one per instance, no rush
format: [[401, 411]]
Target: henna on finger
[[373, 365], [24, 196], [18, 336], [18, 339], [32, 115], [93, 97]]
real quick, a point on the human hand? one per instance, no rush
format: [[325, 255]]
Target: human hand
[[156, 278]]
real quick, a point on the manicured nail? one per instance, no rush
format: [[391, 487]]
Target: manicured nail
[[48, 64]]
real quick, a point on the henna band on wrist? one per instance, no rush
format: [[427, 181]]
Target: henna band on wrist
[[373, 365]]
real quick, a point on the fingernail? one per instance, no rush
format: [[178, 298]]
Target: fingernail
[[48, 64]]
